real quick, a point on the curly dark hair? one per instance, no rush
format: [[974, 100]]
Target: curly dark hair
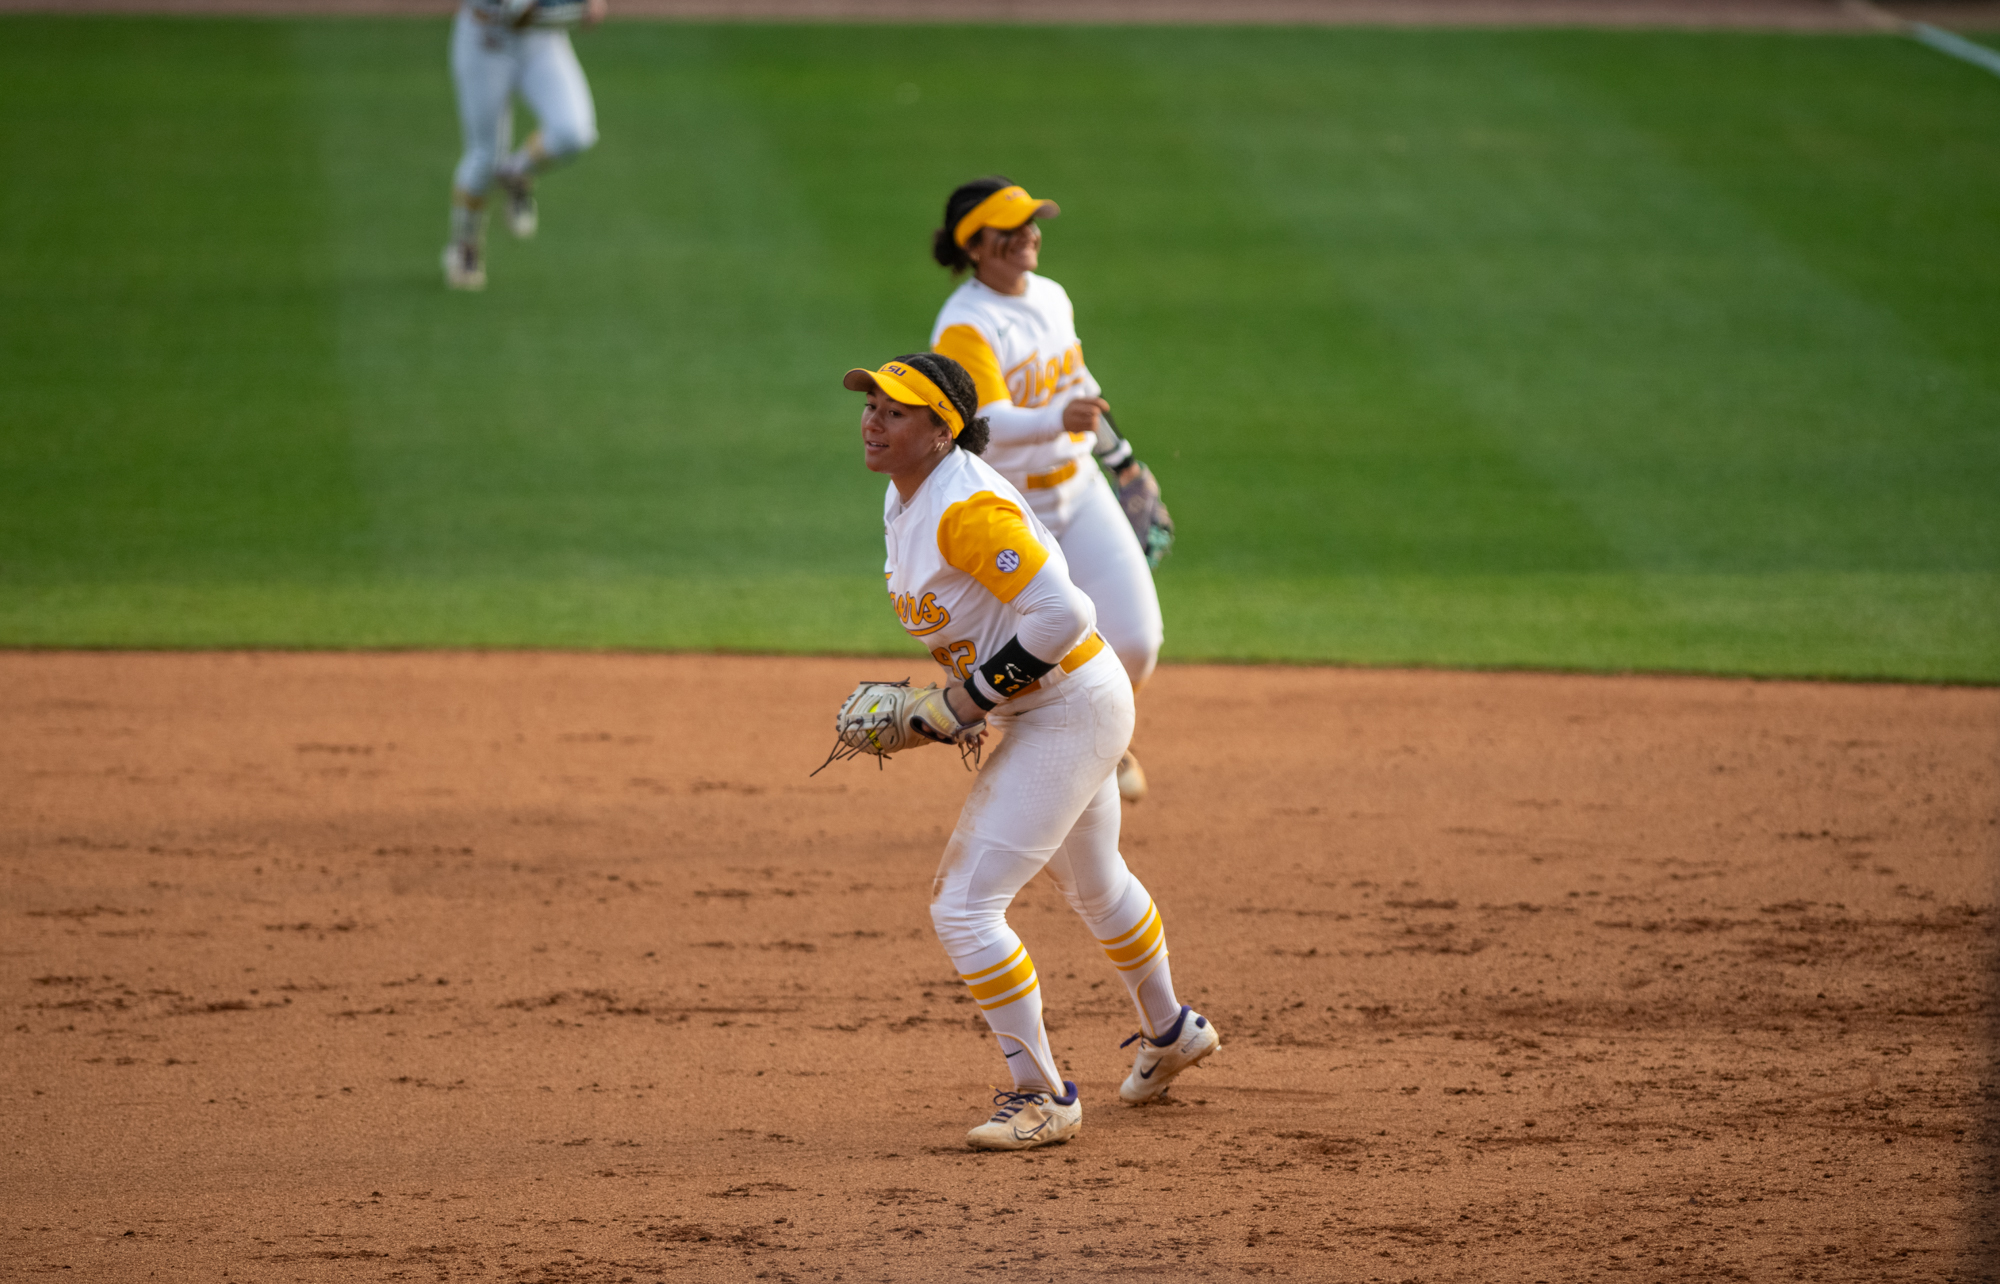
[[955, 383], [960, 203]]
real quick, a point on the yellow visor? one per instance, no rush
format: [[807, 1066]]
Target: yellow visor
[[910, 386], [1006, 209]]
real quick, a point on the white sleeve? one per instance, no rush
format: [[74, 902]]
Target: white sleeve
[[1055, 615], [1014, 425]]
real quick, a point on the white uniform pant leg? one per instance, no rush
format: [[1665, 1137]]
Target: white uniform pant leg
[[1028, 797], [1115, 905], [1053, 761], [483, 67], [552, 81], [1106, 562]]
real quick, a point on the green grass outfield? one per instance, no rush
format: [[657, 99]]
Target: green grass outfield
[[1598, 350]]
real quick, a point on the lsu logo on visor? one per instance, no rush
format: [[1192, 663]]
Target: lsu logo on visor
[[918, 382]]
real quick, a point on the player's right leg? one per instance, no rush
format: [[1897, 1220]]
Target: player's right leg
[[977, 879], [1106, 562], [1027, 797], [553, 82], [482, 71]]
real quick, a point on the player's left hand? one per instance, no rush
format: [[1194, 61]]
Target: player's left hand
[[1139, 496], [882, 718]]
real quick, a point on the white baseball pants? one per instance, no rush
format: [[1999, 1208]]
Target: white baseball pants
[[1046, 800], [490, 64], [1106, 562]]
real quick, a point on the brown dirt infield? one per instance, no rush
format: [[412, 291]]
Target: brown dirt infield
[[561, 968]]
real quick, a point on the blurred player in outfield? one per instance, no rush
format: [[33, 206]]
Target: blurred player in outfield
[[1014, 331], [501, 49]]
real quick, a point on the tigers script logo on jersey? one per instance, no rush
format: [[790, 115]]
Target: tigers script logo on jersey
[[1034, 381], [921, 617], [1008, 561]]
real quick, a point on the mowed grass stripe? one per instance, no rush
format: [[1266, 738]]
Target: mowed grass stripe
[[169, 404], [652, 385], [1671, 363], [1892, 626], [1560, 349]]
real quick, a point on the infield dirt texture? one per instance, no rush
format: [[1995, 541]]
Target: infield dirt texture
[[461, 967], [1563, 349]]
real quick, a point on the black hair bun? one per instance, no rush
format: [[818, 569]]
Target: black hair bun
[[963, 200]]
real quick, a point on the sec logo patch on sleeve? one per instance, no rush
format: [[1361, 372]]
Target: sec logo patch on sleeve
[[1008, 561]]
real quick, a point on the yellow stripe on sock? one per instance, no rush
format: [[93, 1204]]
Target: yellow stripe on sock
[[1139, 944], [1009, 961], [1159, 950], [1019, 974], [1034, 983], [1144, 959], [1137, 928]]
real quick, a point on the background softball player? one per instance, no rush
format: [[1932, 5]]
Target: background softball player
[[979, 580], [1014, 332], [500, 49]]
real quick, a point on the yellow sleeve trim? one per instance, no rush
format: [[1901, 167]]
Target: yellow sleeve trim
[[969, 348], [989, 539]]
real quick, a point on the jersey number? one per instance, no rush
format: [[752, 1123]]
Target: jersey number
[[959, 657]]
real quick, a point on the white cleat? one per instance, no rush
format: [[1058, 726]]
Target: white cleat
[[1131, 778], [523, 217], [464, 267], [1191, 1039], [1028, 1119]]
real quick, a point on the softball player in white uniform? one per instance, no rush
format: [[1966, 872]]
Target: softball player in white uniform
[[1014, 331], [975, 575], [500, 49]]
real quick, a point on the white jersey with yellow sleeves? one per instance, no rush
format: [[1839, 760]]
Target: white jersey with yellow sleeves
[[959, 553], [1027, 363]]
